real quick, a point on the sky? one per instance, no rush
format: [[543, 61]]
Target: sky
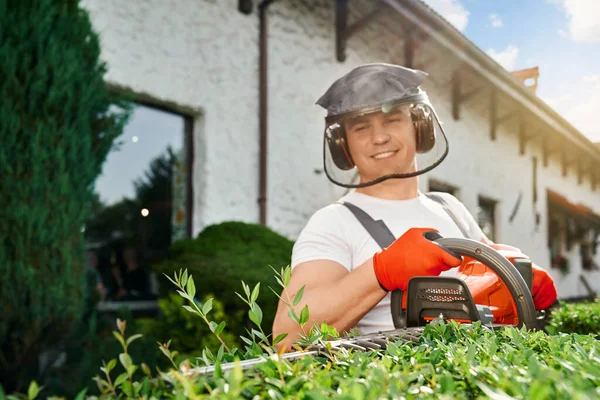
[[561, 37]]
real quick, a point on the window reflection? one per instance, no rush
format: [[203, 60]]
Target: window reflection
[[486, 212], [139, 207]]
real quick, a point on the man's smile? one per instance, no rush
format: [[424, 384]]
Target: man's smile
[[385, 154]]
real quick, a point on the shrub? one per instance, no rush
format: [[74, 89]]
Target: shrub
[[57, 124], [222, 255], [449, 361], [583, 318]]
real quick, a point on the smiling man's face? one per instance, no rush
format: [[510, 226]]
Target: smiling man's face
[[382, 143]]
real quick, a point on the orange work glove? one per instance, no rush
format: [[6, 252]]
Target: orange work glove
[[412, 254], [543, 288]]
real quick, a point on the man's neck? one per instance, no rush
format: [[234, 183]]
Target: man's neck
[[393, 189]]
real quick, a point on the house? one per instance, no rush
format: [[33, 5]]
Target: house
[[242, 77]]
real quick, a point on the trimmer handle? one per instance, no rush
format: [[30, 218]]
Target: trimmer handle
[[433, 236], [483, 253]]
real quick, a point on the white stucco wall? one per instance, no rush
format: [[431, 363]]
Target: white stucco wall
[[203, 56]]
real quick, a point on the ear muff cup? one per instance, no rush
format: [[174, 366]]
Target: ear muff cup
[[338, 147], [424, 128]]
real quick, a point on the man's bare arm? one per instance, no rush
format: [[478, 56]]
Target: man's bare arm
[[333, 295]]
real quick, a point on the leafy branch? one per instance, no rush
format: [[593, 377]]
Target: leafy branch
[[187, 290]]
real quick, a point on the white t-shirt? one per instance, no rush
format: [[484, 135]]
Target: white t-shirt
[[334, 233]]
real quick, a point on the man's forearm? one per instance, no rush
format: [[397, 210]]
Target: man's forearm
[[341, 304]]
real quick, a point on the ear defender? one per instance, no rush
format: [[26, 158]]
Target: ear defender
[[338, 147], [424, 128]]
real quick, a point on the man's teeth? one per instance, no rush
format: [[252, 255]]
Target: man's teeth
[[384, 155]]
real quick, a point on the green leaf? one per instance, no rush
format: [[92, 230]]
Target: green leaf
[[298, 296], [304, 315], [111, 365], [246, 289], [219, 329], [166, 352], [257, 311], [255, 293], [259, 334], [207, 306], [81, 395], [253, 317], [131, 369], [190, 309], [119, 338], [191, 288], [279, 338], [33, 390], [220, 353], [292, 314], [447, 383], [287, 276], [184, 278], [280, 282], [127, 389], [133, 337], [125, 360], [120, 379], [242, 297]]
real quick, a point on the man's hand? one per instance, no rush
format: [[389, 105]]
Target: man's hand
[[411, 255], [543, 288]]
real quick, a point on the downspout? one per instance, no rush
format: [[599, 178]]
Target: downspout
[[263, 108]]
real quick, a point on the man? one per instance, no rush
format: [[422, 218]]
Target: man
[[381, 130]]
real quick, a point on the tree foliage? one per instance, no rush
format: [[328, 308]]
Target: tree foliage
[[58, 121]]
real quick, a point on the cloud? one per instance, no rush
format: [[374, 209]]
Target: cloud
[[506, 58], [583, 114], [452, 10], [580, 108], [583, 17], [591, 78], [496, 20]]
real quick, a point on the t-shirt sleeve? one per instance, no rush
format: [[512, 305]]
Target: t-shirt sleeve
[[466, 217], [323, 238]]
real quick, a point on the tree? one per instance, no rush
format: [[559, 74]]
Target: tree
[[58, 121]]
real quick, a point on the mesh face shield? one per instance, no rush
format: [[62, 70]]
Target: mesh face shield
[[399, 139], [380, 125]]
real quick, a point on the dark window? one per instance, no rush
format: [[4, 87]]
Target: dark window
[[141, 203], [486, 217]]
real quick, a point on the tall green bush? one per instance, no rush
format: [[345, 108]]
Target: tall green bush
[[58, 121], [224, 254]]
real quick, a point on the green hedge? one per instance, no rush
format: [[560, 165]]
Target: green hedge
[[449, 361], [583, 318]]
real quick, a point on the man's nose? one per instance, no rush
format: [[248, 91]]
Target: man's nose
[[380, 133]]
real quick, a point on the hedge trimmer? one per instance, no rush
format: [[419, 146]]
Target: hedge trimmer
[[492, 286]]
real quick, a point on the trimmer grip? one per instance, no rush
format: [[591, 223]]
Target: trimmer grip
[[398, 315], [433, 236]]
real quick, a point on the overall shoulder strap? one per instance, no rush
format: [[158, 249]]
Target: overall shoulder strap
[[384, 237], [440, 199], [377, 229]]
